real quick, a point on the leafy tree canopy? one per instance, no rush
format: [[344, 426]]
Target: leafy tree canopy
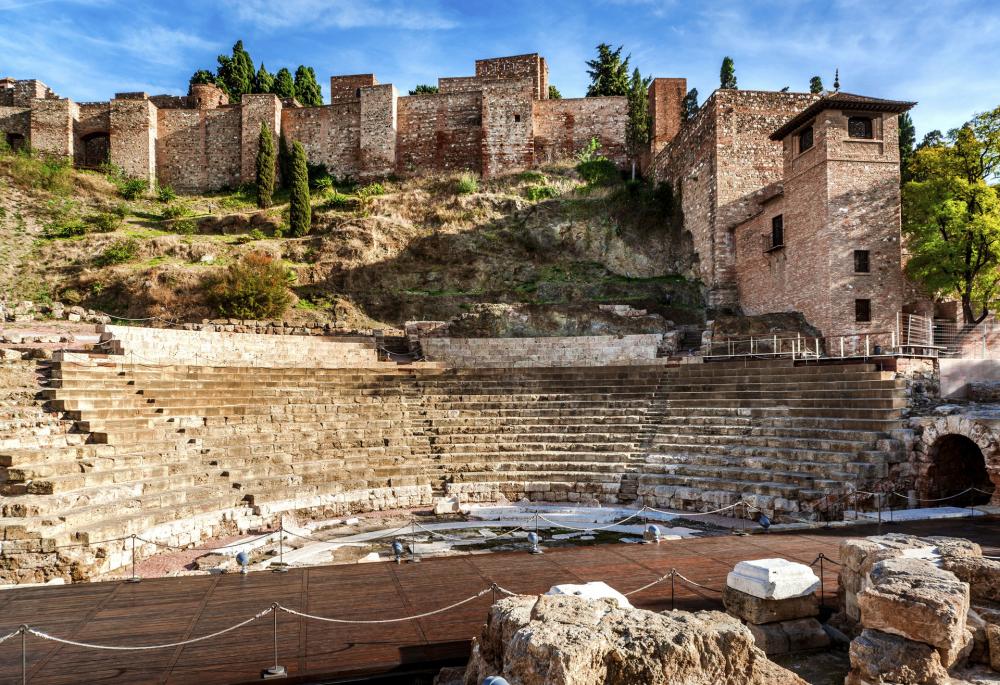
[[307, 89], [690, 104], [727, 74], [236, 75], [637, 131], [263, 82], [815, 85], [907, 144], [554, 93], [284, 84], [951, 215], [424, 89], [609, 73]]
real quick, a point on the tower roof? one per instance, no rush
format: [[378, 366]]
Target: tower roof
[[841, 101]]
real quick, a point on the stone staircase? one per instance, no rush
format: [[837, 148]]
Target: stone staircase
[[790, 439]]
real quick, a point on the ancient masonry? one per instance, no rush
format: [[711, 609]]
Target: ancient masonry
[[791, 199]]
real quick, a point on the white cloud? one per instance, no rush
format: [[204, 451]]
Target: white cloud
[[341, 14]]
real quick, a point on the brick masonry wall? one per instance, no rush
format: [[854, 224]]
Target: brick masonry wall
[[52, 126], [133, 135], [439, 132], [564, 127], [459, 84], [331, 134], [346, 87], [15, 120], [508, 140], [378, 126], [666, 104], [518, 68], [556, 351], [199, 149], [257, 110]]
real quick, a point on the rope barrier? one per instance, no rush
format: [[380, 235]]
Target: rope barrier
[[181, 643], [9, 636], [325, 619], [649, 585], [589, 530], [691, 582], [686, 514]]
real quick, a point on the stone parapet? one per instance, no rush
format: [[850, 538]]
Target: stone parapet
[[561, 351]]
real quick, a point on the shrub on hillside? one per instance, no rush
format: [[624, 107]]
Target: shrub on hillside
[[29, 170], [467, 184], [532, 176], [371, 190], [536, 193], [67, 227], [183, 227], [255, 287], [595, 168], [104, 222], [174, 211], [119, 252], [338, 201], [133, 188], [165, 193]]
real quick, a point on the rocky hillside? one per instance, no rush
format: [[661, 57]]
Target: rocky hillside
[[381, 253]]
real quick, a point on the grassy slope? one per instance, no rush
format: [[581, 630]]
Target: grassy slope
[[422, 250]]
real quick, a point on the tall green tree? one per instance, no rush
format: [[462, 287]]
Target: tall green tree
[[307, 89], [951, 216], [266, 159], [284, 84], [815, 85], [907, 144], [727, 74], [299, 210], [637, 130], [554, 93], [236, 72], [284, 160], [263, 82], [930, 139], [202, 76], [608, 73], [424, 89], [690, 104]]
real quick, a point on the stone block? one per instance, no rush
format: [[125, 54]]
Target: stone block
[[790, 636], [756, 610], [982, 575], [773, 579], [878, 657], [592, 590], [916, 600]]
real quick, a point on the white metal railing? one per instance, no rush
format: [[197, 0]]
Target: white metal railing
[[969, 341], [851, 345]]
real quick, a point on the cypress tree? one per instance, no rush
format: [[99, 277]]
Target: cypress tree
[[307, 90], [265, 167], [263, 82], [608, 73], [236, 73], [284, 85], [727, 74], [690, 104], [300, 211], [554, 93], [284, 161], [907, 144], [815, 85], [202, 76], [637, 130]]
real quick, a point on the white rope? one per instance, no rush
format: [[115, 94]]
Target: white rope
[[937, 499], [387, 620], [559, 524], [686, 514], [649, 585], [88, 645], [455, 538], [691, 582], [9, 636]]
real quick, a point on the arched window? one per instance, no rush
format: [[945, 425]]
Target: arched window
[[96, 150], [860, 127]]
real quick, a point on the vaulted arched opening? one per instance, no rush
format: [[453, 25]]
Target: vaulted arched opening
[[958, 464]]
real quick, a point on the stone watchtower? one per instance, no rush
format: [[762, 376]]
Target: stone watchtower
[[826, 240]]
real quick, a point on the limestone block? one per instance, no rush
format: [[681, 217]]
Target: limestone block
[[593, 590], [982, 575], [878, 657], [789, 636], [447, 505], [993, 640], [916, 600], [756, 610], [773, 579]]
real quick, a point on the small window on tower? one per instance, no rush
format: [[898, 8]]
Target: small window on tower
[[777, 231], [517, 117], [860, 127], [862, 311], [806, 139], [861, 264]]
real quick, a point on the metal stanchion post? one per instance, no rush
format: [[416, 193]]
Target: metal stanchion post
[[673, 605], [134, 578], [280, 566], [276, 671], [822, 582], [413, 543], [24, 654]]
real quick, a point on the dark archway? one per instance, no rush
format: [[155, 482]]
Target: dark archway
[[958, 464], [15, 141], [96, 150]]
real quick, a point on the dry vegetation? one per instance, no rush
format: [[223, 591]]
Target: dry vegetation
[[384, 252]]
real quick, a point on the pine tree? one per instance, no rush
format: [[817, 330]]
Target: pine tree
[[608, 73], [307, 90], [554, 93], [424, 89], [727, 74], [202, 76], [236, 72], [907, 144], [637, 130], [300, 211], [815, 85], [284, 161], [284, 85], [263, 82], [265, 167], [690, 104]]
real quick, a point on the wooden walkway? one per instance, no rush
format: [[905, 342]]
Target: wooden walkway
[[171, 609]]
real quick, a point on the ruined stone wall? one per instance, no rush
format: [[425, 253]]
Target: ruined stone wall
[[564, 127], [52, 126], [508, 140], [16, 121], [378, 126], [348, 87], [331, 135], [133, 135], [459, 84], [518, 68], [597, 350], [439, 132], [666, 109], [257, 110], [199, 149]]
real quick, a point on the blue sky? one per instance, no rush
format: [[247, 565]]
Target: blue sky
[[943, 53]]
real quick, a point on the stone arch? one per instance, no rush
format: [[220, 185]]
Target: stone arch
[[947, 444], [96, 149], [15, 141]]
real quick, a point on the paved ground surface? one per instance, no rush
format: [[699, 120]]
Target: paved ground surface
[[171, 609]]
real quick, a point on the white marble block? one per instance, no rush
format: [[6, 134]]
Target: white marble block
[[593, 590], [773, 579]]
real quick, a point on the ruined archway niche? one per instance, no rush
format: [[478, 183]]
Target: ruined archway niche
[[96, 150], [15, 141], [952, 453], [957, 464]]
